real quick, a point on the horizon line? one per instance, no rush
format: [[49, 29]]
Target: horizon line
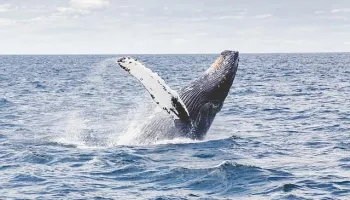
[[210, 53]]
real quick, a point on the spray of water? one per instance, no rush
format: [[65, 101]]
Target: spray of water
[[70, 128], [136, 119], [96, 127]]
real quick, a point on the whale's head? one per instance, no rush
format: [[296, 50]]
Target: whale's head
[[220, 75], [205, 96]]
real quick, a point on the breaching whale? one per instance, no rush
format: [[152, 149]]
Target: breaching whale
[[190, 112]]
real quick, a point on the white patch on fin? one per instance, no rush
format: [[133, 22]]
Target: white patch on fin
[[161, 93]]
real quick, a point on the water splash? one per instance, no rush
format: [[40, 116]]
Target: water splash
[[136, 119], [76, 124], [70, 129], [109, 123], [105, 125]]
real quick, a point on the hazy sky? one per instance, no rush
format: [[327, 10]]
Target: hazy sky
[[176, 26]]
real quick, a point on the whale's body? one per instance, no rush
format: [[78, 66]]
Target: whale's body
[[190, 112]]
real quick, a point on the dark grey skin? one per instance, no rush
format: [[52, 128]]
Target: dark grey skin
[[203, 98]]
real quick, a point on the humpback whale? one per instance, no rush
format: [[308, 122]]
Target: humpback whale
[[190, 112]]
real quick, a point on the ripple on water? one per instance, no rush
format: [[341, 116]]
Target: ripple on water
[[39, 85], [284, 189], [5, 103], [344, 163], [27, 178], [35, 157], [8, 166]]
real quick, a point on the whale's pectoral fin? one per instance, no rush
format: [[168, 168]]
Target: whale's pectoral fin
[[166, 98]]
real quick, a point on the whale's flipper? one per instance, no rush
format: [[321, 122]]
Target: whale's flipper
[[168, 99]]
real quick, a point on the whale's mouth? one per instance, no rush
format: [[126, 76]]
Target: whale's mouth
[[227, 59]]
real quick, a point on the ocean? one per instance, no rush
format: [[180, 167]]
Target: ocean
[[67, 124]]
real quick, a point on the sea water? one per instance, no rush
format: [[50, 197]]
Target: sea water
[[67, 124]]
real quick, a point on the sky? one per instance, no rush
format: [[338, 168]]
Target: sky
[[176, 26]]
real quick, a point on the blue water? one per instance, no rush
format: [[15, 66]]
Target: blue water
[[67, 123]]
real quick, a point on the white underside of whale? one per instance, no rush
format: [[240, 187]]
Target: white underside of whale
[[160, 92]]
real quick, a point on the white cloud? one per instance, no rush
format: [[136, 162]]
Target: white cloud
[[317, 12], [124, 6], [340, 10], [83, 6], [34, 8], [10, 22], [347, 43], [336, 17], [262, 16], [4, 7], [89, 4], [230, 17], [35, 19], [6, 22], [70, 10], [198, 19]]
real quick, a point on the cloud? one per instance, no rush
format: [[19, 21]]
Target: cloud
[[347, 43], [340, 10], [70, 10], [4, 7], [198, 19], [83, 6], [6, 22], [230, 17], [305, 29], [317, 12], [89, 4], [124, 6], [336, 17], [262, 16]]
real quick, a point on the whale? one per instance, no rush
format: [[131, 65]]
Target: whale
[[190, 112]]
